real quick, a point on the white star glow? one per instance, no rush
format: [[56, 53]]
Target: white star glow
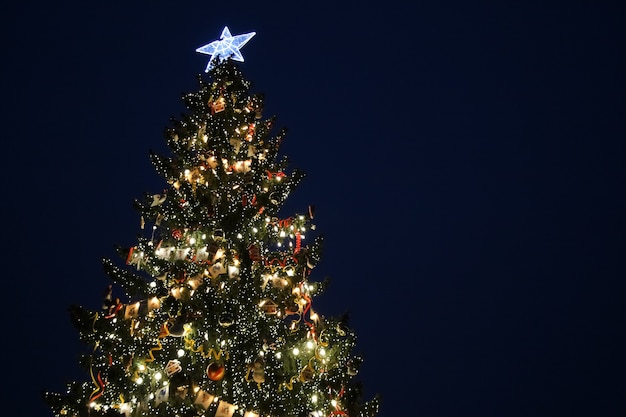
[[227, 47]]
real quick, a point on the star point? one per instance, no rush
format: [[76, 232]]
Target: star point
[[227, 46]]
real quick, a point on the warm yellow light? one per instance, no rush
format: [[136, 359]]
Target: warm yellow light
[[139, 381], [180, 353], [296, 351], [314, 398], [309, 344], [158, 376]]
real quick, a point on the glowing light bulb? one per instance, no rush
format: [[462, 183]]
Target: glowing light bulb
[[296, 351], [139, 381], [158, 376], [309, 344], [180, 353], [314, 398]]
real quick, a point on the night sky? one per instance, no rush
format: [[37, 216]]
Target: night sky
[[467, 163]]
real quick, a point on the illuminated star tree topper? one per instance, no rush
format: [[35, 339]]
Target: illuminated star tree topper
[[227, 46]]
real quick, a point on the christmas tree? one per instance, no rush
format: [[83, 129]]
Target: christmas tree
[[212, 311]]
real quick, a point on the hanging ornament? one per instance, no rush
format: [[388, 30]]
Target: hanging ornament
[[255, 253], [158, 199], [268, 306], [204, 399], [307, 373], [224, 409], [162, 395], [177, 328], [177, 234], [218, 235], [226, 319], [258, 370], [131, 311], [233, 272], [218, 105], [351, 368], [215, 371], [217, 269], [173, 367], [107, 302]]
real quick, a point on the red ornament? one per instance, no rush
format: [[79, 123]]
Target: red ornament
[[255, 253], [215, 371], [177, 234]]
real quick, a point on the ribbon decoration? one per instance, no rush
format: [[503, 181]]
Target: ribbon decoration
[[248, 379], [307, 308], [158, 347], [320, 344], [99, 385], [114, 311], [279, 174], [163, 333], [288, 385], [95, 319], [298, 242], [190, 343], [282, 263]]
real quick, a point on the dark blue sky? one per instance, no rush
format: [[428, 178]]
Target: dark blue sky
[[467, 163]]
